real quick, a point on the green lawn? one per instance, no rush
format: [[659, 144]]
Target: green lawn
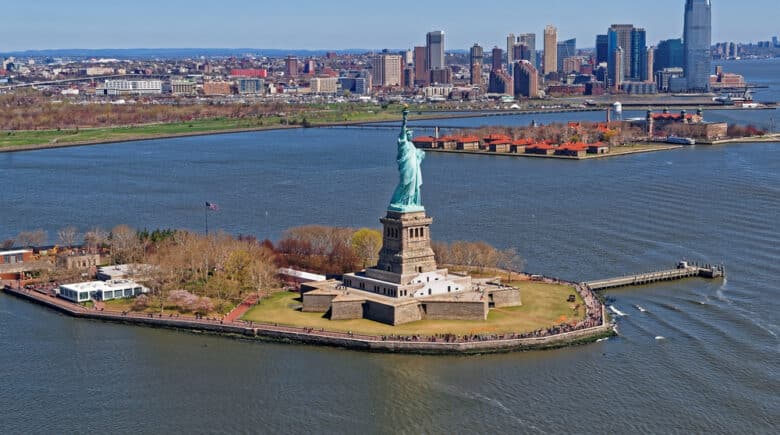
[[544, 305], [44, 137]]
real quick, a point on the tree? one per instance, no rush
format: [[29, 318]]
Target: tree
[[366, 244], [125, 244], [31, 238], [8, 244], [510, 261], [68, 236], [95, 238]]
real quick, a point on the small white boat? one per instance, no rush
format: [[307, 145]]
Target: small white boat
[[640, 309], [660, 337]]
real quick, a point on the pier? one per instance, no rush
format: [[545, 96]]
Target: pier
[[683, 270]]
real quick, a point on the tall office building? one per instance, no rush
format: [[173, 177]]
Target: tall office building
[[669, 54], [526, 80], [476, 56], [616, 68], [550, 49], [529, 40], [697, 38], [435, 50], [602, 49], [649, 71], [638, 57], [291, 66], [619, 35], [497, 56], [565, 49], [421, 73], [386, 70], [510, 44], [521, 52]]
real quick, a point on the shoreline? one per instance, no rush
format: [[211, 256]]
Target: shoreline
[[652, 148], [425, 116], [309, 336]]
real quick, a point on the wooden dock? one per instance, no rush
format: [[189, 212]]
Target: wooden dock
[[682, 271]]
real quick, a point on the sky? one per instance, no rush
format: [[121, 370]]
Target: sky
[[342, 24]]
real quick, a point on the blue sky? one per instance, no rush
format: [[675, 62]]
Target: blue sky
[[339, 24]]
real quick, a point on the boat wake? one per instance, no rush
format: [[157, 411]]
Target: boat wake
[[616, 311]]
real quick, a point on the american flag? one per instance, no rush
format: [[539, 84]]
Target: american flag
[[212, 206]]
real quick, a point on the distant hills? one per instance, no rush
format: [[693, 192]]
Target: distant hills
[[172, 53]]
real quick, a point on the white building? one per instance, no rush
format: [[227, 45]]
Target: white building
[[101, 290], [122, 87], [324, 85]]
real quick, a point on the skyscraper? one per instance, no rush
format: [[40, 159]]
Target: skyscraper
[[550, 49], [435, 50], [510, 44], [565, 50], [497, 55], [421, 72], [638, 55], [529, 40], [670, 53], [291, 66], [526, 80], [476, 55], [602, 49], [649, 72], [615, 68], [619, 35], [697, 38], [386, 70]]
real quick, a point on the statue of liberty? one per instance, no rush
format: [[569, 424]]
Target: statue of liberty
[[407, 198]]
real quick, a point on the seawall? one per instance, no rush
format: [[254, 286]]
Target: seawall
[[277, 333]]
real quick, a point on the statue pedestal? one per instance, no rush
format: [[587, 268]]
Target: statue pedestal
[[406, 247]]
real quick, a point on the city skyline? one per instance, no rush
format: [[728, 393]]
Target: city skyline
[[340, 26]]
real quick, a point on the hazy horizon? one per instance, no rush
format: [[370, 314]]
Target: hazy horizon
[[317, 26]]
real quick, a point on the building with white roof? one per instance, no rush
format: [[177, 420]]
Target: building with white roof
[[101, 290]]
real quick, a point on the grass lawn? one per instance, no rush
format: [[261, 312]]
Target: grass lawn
[[544, 305]]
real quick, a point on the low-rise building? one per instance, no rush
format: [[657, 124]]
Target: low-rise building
[[100, 290], [183, 87], [250, 86], [138, 272], [217, 88], [467, 143], [126, 87]]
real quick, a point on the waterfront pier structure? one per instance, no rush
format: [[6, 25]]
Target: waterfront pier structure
[[683, 270]]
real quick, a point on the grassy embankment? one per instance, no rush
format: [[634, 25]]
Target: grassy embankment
[[20, 139], [544, 305]]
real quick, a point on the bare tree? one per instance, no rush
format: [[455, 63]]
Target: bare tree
[[95, 238], [125, 245], [31, 238], [8, 244], [510, 261], [68, 236]]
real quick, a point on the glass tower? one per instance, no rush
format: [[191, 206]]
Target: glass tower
[[698, 39]]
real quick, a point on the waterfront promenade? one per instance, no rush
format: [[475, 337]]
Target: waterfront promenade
[[594, 326]]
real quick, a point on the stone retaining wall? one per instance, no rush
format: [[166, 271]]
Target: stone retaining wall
[[326, 338], [509, 297], [461, 310]]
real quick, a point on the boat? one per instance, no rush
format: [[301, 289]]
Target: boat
[[680, 140]]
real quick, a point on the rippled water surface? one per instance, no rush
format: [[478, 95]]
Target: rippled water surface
[[716, 370]]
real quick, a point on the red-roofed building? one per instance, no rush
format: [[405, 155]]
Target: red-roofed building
[[494, 137], [540, 148], [426, 142], [448, 142], [578, 149], [500, 146], [468, 143], [598, 148]]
